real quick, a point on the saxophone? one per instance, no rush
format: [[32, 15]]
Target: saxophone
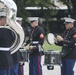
[[11, 11]]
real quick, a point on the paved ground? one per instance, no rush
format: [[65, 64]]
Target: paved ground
[[56, 70]]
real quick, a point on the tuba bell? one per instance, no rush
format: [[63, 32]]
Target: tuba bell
[[11, 10]]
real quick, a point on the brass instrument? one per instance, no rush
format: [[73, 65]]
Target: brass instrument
[[11, 10]]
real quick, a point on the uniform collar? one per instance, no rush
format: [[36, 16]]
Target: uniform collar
[[35, 27], [70, 29]]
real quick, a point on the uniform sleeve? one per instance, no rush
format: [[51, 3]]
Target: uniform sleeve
[[72, 41], [59, 43], [41, 36]]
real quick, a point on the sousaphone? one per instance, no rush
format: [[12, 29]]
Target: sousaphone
[[11, 10]]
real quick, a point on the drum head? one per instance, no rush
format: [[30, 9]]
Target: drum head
[[50, 38]]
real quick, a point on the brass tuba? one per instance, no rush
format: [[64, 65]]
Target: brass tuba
[[11, 10]]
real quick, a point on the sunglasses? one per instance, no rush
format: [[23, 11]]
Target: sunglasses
[[2, 17]]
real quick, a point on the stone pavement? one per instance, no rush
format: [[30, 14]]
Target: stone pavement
[[56, 70]]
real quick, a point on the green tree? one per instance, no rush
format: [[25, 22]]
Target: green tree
[[71, 7], [21, 4]]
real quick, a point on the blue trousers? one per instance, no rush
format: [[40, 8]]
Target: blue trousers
[[21, 69], [67, 67], [5, 71], [14, 69], [35, 67]]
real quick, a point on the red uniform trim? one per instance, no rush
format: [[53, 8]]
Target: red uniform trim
[[39, 65], [41, 36], [74, 36]]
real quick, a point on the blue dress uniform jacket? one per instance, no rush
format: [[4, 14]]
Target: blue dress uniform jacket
[[6, 41], [35, 36], [69, 43]]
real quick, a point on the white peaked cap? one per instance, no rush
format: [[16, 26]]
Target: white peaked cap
[[69, 20], [32, 18], [19, 18], [2, 12]]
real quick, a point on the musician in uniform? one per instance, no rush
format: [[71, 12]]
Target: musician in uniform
[[6, 41], [68, 43], [35, 42], [17, 57]]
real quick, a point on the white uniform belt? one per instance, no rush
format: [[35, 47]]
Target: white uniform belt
[[4, 49]]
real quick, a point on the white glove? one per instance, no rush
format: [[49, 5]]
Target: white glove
[[55, 40], [23, 44], [59, 38], [30, 47]]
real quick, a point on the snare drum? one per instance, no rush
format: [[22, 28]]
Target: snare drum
[[25, 54]]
